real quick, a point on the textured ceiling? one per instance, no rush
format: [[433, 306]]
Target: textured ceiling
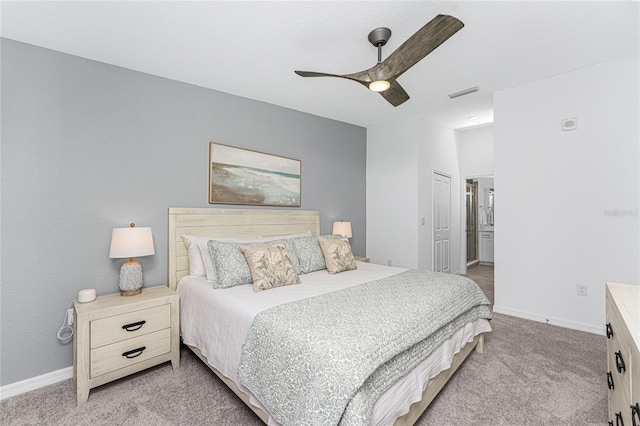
[[251, 49]]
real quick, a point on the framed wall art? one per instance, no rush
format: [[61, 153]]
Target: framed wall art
[[243, 176]]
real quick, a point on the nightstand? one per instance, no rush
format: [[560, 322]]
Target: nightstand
[[115, 336], [361, 259]]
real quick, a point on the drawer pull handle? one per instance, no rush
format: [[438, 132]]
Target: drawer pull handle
[[133, 326], [137, 352], [620, 362], [609, 331], [619, 420], [635, 411], [610, 380], [611, 423]]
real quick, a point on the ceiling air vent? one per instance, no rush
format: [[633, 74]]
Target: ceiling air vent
[[463, 92]]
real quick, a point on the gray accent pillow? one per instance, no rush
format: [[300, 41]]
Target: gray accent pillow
[[308, 253]]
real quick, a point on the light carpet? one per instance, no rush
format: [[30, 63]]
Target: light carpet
[[530, 374]]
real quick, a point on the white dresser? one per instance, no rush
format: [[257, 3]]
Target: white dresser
[[623, 354]]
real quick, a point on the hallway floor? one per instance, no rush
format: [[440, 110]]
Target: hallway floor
[[483, 276]]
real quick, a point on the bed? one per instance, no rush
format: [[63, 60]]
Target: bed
[[219, 326]]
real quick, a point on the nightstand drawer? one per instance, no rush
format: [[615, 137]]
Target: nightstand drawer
[[132, 324], [128, 352]]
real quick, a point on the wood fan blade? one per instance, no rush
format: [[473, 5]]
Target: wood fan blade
[[419, 45], [315, 74], [361, 77], [395, 94]]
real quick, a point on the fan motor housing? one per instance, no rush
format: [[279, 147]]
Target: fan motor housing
[[380, 36]]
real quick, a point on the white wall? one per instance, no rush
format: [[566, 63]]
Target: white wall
[[392, 193], [568, 201], [401, 158], [475, 151]]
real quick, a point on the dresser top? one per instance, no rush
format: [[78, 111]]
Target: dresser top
[[627, 299]]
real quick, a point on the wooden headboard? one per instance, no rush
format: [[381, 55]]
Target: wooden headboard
[[229, 223]]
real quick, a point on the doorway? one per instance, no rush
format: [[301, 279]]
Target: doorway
[[471, 206], [477, 204]]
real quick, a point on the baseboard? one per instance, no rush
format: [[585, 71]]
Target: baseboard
[[560, 322], [33, 383]]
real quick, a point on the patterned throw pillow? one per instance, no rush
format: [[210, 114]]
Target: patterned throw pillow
[[270, 266], [337, 255], [230, 264], [289, 246]]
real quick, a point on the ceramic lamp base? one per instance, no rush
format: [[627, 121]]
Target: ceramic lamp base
[[130, 278]]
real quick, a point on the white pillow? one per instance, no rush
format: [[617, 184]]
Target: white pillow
[[210, 270], [196, 262], [200, 262]]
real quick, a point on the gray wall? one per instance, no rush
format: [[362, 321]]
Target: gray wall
[[87, 147]]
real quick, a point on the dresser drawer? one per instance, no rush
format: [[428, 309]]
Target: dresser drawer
[[620, 410], [618, 349], [621, 335], [132, 324], [128, 352], [621, 380]]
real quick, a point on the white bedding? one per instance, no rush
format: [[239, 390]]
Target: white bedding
[[217, 322]]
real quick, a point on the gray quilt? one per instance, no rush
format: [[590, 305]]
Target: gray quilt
[[325, 360]]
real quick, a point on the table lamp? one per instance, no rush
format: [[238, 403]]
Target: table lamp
[[342, 228], [129, 243]]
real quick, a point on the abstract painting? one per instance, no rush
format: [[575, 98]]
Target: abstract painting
[[243, 176]]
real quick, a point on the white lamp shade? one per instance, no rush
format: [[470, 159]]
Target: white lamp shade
[[131, 242], [342, 228]]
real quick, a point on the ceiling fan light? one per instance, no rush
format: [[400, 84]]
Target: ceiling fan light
[[379, 85]]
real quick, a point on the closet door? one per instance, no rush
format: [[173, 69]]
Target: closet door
[[441, 223]]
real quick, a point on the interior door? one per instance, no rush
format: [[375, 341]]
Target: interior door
[[441, 223]]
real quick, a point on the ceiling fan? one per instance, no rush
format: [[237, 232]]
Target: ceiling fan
[[382, 77]]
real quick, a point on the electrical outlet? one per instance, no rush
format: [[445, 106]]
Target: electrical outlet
[[389, 262], [70, 316], [583, 289]]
